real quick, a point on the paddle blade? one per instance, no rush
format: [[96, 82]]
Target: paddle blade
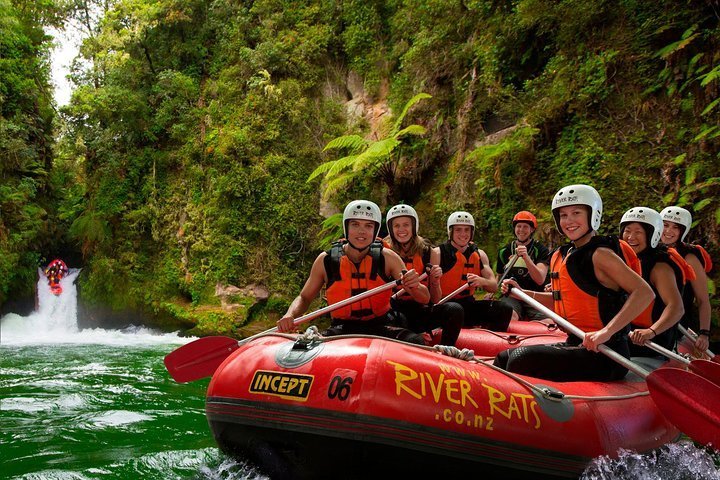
[[689, 401], [199, 359], [706, 369]]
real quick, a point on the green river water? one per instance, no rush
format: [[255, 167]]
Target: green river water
[[99, 404]]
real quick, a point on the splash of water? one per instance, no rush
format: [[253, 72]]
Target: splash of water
[[55, 322], [676, 461]]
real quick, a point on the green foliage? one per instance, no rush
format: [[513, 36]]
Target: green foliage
[[184, 157], [26, 117], [380, 159]]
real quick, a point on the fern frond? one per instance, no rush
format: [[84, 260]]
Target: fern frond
[[337, 184], [407, 107], [341, 164], [412, 130], [353, 142], [331, 230], [375, 155], [322, 168]]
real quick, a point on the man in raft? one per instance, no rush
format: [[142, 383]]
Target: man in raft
[[358, 264], [463, 263], [593, 288], [530, 268]]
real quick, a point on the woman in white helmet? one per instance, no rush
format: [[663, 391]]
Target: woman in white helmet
[[418, 253], [665, 271], [593, 288], [676, 225], [463, 263], [352, 267]]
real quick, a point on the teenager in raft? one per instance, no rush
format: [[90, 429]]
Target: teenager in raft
[[696, 300], [419, 254], [354, 266], [593, 288], [665, 271], [530, 268], [462, 262]]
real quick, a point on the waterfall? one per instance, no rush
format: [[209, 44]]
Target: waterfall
[[55, 322]]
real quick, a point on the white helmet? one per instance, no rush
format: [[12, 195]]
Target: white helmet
[[578, 195], [460, 218], [647, 216], [402, 210], [678, 215], [362, 210]]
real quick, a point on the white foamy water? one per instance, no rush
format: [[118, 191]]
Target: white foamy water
[[674, 461], [55, 322]]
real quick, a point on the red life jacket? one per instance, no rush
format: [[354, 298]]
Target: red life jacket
[[456, 265], [345, 279], [683, 273], [578, 294]]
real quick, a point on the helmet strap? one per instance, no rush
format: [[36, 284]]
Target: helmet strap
[[458, 247], [360, 250], [589, 232]]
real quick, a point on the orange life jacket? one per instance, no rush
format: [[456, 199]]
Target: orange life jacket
[[691, 318], [683, 273], [417, 262], [345, 279], [578, 294], [456, 265], [684, 248]]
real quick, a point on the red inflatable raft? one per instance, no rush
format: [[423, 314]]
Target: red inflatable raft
[[488, 343], [349, 407]]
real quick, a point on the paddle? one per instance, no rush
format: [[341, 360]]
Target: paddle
[[704, 368], [689, 401], [453, 293], [511, 264], [693, 338], [397, 294], [200, 358]]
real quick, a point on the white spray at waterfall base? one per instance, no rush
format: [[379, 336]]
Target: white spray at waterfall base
[[55, 322]]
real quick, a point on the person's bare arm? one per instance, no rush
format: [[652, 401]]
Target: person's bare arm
[[545, 298], [613, 273], [663, 278], [700, 288], [434, 275], [537, 271], [394, 267], [309, 292], [486, 280]]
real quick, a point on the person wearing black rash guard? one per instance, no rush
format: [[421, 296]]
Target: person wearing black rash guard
[[530, 268], [418, 253], [696, 299], [593, 288], [665, 271]]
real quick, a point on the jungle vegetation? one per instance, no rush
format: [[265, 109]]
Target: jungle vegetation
[[185, 158]]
